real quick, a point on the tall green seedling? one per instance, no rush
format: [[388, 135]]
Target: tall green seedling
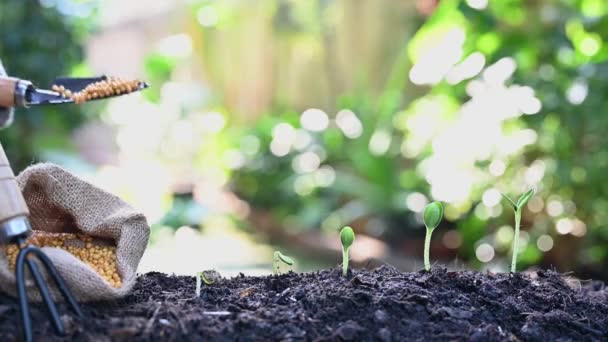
[[347, 237], [433, 213], [517, 207]]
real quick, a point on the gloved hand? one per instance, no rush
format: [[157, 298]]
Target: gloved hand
[[6, 114]]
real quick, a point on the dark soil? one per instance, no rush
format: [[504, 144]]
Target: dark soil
[[379, 305]]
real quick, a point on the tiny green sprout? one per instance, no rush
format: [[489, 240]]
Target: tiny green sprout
[[208, 277], [347, 237], [517, 207], [433, 213], [277, 258]]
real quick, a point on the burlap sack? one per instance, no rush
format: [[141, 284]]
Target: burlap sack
[[61, 202]]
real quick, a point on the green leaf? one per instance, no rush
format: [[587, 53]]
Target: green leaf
[[433, 213], [209, 277], [206, 280], [347, 237], [510, 201], [284, 258], [525, 198]]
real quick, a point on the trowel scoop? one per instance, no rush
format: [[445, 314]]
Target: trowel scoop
[[16, 92]]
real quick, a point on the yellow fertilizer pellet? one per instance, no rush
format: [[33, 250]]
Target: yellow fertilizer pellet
[[101, 89], [101, 258]]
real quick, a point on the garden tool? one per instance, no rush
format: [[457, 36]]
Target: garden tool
[[14, 224], [22, 93]]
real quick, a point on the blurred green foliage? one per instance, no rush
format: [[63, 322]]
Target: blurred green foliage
[[558, 52], [39, 43], [392, 111]]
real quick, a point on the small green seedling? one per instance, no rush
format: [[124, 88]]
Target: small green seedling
[[208, 277], [347, 237], [517, 207], [433, 213], [277, 258]]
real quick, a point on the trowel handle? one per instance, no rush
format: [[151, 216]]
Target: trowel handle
[[12, 204], [14, 223], [7, 91], [13, 91]]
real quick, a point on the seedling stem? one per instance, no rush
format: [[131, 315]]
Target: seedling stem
[[516, 240], [199, 275], [427, 248], [517, 207], [433, 213]]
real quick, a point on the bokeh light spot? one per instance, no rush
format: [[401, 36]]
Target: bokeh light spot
[[484, 252], [477, 4], [544, 243], [577, 93], [212, 122], [491, 197], [497, 168], [579, 228], [207, 16], [314, 120], [564, 226], [306, 162], [452, 239], [349, 124], [536, 204], [416, 202], [590, 45], [325, 176], [555, 208], [379, 142], [504, 236]]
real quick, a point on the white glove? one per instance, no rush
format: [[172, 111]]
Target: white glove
[[6, 114]]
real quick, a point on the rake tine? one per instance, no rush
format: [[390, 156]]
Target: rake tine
[[24, 308], [61, 285], [45, 293], [22, 259]]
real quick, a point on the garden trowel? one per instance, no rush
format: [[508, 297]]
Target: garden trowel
[[16, 92]]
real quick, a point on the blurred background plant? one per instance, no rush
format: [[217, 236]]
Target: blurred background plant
[[40, 42], [275, 123]]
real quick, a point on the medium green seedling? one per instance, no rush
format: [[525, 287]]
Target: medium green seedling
[[433, 213], [278, 258], [347, 237], [517, 207]]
